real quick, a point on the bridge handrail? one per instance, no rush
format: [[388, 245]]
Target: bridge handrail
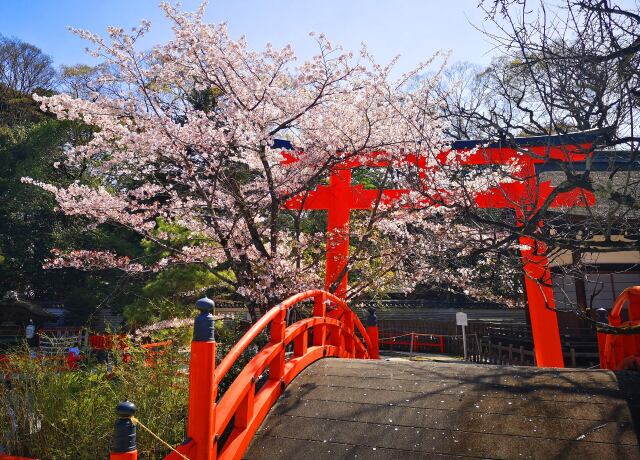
[[630, 294], [224, 429], [615, 349], [234, 354]]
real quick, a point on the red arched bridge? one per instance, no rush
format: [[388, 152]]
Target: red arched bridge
[[290, 403]]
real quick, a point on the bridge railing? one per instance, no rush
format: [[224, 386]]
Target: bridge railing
[[616, 348], [224, 429]]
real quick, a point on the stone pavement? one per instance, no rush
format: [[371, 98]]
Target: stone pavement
[[397, 409]]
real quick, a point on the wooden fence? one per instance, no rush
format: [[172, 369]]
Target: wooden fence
[[492, 343]]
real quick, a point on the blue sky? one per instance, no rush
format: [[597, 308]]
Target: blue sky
[[412, 28]]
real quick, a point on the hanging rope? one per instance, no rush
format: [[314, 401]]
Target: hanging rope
[[136, 421]]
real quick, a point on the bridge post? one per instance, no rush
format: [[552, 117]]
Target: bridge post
[[202, 391], [319, 311], [373, 333], [278, 326], [300, 344], [349, 335], [124, 442]]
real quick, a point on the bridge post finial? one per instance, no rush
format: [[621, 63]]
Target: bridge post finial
[[373, 333], [372, 319], [124, 442], [204, 324], [602, 315]]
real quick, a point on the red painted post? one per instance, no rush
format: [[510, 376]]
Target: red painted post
[[335, 336], [202, 391], [278, 326], [544, 321], [615, 351], [133, 455], [537, 279], [319, 311], [338, 230], [349, 333], [300, 344], [373, 333], [244, 413]]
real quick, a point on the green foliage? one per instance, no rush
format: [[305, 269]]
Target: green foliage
[[163, 297], [18, 109], [46, 413], [205, 100], [170, 293], [30, 144], [226, 337], [146, 310], [180, 279], [29, 226]]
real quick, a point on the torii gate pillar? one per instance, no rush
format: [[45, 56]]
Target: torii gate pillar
[[544, 320], [338, 217]]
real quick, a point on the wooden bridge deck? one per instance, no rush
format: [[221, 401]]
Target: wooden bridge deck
[[345, 409]]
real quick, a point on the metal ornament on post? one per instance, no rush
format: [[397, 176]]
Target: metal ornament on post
[[373, 333], [124, 442]]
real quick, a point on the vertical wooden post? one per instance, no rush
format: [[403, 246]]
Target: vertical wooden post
[[335, 335], [278, 326], [202, 391], [411, 346], [244, 413], [537, 280], [349, 334], [373, 333], [300, 344], [319, 311], [338, 216]]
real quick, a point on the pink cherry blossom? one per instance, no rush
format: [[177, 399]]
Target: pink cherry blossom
[[161, 153]]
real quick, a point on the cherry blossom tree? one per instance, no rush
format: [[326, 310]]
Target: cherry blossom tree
[[185, 154]]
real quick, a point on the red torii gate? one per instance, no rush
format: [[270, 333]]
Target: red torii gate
[[339, 198]]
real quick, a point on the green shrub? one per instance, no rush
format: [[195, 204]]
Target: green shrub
[[50, 413]]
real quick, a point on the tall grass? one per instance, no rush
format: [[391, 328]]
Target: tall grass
[[49, 412]]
